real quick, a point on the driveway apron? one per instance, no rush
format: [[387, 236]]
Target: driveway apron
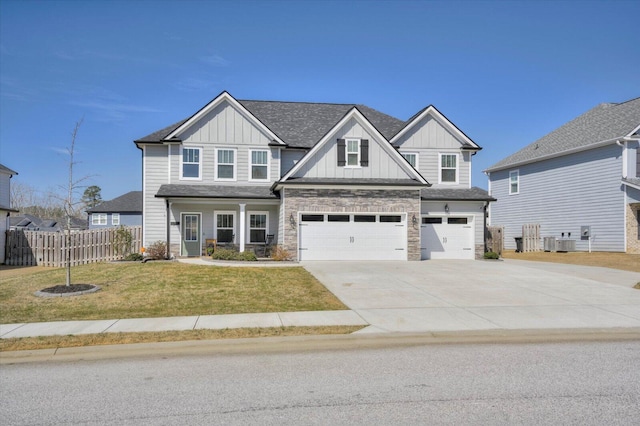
[[458, 295]]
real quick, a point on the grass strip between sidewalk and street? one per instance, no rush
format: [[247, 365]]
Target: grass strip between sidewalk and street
[[52, 342]]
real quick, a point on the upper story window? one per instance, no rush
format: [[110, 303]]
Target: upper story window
[[514, 182], [191, 164], [448, 168], [353, 152], [412, 158], [99, 219], [259, 166], [115, 219], [225, 164]]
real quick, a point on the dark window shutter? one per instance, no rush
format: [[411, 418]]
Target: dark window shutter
[[341, 153], [364, 152]]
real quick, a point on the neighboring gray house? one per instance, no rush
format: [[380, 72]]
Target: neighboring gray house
[[5, 206], [325, 181], [28, 222], [579, 182], [124, 210]]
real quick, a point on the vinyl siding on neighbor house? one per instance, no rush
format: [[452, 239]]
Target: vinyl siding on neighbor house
[[562, 194]]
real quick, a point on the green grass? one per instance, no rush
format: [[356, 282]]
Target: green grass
[[158, 289]]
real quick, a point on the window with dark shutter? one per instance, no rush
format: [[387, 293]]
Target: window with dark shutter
[[364, 152], [341, 153]]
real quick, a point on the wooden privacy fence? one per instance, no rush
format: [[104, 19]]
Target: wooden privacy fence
[[530, 237], [495, 239], [31, 248]]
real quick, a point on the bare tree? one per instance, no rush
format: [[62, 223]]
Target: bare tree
[[69, 203]]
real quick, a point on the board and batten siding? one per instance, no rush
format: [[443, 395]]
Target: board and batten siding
[[154, 211], [562, 194], [224, 127], [429, 139], [325, 160]]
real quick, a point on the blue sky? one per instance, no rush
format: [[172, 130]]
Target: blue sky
[[505, 72]]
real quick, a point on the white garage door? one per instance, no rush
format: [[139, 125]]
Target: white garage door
[[353, 236], [447, 238]]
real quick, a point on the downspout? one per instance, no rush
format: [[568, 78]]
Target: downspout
[[168, 254]]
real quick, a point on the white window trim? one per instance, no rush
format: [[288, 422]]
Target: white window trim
[[517, 174], [268, 165], [440, 168], [235, 223], [98, 218], [182, 148], [235, 165], [403, 153], [346, 153], [266, 230], [115, 216]]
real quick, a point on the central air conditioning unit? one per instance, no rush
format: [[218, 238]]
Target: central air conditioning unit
[[549, 243], [566, 245]]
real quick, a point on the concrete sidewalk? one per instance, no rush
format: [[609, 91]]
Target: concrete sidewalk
[[213, 322]]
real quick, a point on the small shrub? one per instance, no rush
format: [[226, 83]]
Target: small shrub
[[122, 241], [637, 286], [491, 255], [134, 257], [279, 254], [226, 254], [157, 250]]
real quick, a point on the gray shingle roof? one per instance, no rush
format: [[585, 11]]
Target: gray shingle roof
[[342, 181], [5, 169], [602, 123], [215, 191], [455, 194], [301, 124], [131, 202]]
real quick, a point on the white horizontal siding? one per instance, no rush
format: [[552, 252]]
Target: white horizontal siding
[[154, 212], [563, 194]]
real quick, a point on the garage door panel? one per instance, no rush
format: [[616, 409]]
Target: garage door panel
[[353, 240], [443, 240]]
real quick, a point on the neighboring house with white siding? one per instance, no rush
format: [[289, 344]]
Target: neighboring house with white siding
[[124, 210], [324, 181], [580, 182], [5, 206]]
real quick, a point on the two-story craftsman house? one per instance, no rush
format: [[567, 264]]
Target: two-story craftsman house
[[325, 181]]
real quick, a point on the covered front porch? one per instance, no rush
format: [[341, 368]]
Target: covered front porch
[[242, 219]]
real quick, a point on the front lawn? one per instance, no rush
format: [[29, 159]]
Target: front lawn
[[162, 289]]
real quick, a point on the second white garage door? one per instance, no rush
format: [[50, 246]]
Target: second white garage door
[[447, 238], [352, 236]]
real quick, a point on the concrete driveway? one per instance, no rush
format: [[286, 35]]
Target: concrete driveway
[[451, 295]]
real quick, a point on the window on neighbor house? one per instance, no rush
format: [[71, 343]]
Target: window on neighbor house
[[448, 168], [412, 158], [99, 219], [514, 182], [115, 219], [225, 164], [259, 164], [191, 163], [258, 227], [224, 227]]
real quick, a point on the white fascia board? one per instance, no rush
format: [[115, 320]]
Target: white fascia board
[[355, 113], [554, 155], [631, 184], [437, 115], [633, 132], [224, 96]]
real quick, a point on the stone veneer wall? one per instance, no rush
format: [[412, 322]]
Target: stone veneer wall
[[358, 201], [633, 242]]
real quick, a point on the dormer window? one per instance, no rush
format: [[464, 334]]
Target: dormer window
[[353, 152]]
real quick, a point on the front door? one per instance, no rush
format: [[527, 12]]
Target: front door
[[191, 245]]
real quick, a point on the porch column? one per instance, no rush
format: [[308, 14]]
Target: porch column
[[242, 226]]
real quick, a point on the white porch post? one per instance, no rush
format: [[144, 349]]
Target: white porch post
[[242, 226]]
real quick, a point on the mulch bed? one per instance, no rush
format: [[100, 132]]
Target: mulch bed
[[68, 290]]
